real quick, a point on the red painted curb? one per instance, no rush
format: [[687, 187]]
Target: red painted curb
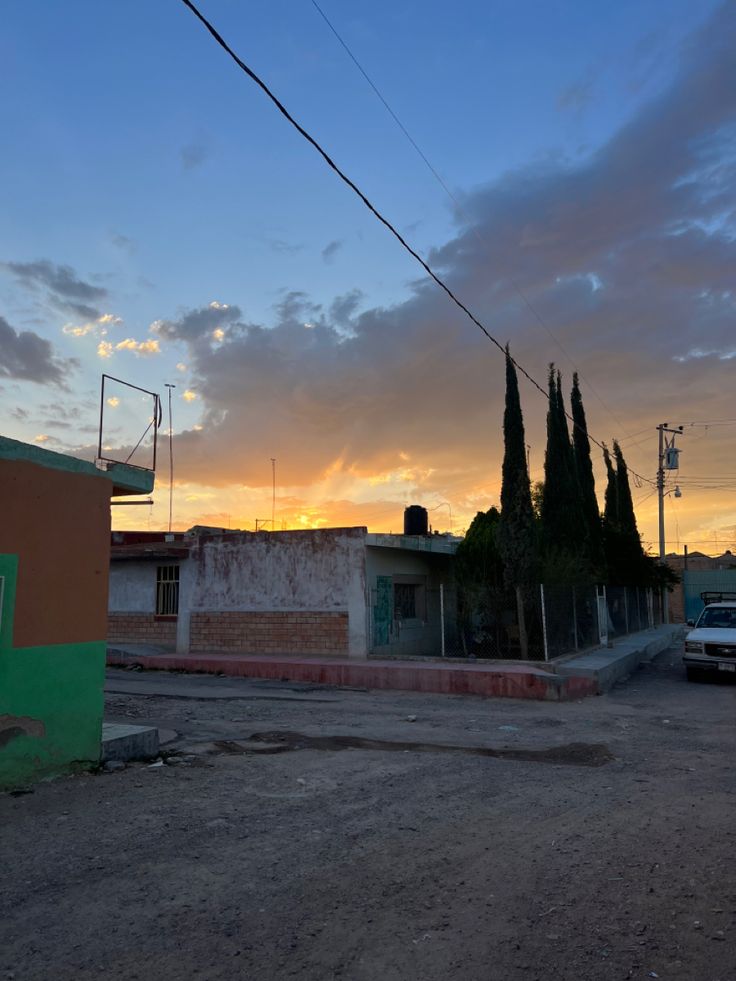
[[507, 681]]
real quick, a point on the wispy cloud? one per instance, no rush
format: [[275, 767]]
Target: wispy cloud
[[194, 154], [64, 289], [331, 249]]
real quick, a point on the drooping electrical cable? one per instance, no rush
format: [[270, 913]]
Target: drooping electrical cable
[[377, 214]]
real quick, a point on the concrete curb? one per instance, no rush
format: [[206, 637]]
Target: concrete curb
[[501, 681], [125, 742], [605, 667]]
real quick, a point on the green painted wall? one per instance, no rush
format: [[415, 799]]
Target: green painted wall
[[51, 700]]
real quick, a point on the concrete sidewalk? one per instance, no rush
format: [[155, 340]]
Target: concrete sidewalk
[[588, 674]]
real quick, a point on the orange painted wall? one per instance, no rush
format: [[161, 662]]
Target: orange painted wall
[[62, 573]]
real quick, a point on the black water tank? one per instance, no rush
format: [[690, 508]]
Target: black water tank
[[416, 520]]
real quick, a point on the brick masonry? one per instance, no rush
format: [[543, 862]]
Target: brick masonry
[[140, 628], [270, 633]]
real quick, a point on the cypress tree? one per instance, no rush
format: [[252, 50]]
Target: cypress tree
[[586, 481], [625, 556], [626, 515], [563, 529], [516, 532]]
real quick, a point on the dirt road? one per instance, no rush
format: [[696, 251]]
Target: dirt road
[[321, 834]]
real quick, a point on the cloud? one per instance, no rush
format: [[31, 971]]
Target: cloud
[[25, 355], [331, 249], [578, 95], [282, 247], [189, 396], [105, 349], [123, 243], [64, 289], [150, 346], [195, 325], [193, 154], [97, 326], [627, 256]]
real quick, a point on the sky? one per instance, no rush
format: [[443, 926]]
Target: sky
[[162, 223]]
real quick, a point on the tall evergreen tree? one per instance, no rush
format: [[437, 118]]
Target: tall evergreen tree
[[563, 529], [517, 531], [586, 481], [625, 557]]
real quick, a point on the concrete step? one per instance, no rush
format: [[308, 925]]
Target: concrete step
[[126, 742]]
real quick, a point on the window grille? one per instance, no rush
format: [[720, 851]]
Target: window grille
[[167, 590], [405, 601]]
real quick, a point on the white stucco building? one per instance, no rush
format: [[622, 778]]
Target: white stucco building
[[337, 591]]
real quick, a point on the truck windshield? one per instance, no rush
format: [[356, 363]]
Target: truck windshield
[[724, 618]]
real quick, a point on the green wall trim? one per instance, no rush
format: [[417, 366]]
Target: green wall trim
[[51, 708], [9, 576], [125, 479]]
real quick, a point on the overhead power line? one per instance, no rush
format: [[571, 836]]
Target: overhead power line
[[377, 214], [463, 214]]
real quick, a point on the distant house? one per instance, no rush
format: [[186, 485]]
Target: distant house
[[334, 591], [699, 573], [54, 565]]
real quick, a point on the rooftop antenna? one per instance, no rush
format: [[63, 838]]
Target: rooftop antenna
[[171, 457]]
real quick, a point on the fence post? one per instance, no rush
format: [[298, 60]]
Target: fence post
[[650, 607], [575, 619], [602, 617], [544, 623], [626, 608], [442, 618]]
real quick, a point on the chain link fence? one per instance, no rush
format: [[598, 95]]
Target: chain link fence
[[483, 622], [578, 617]]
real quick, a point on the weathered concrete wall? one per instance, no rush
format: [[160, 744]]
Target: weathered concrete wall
[[311, 572], [132, 587]]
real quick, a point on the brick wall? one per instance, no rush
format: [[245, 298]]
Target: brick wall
[[140, 628], [270, 633], [677, 604]]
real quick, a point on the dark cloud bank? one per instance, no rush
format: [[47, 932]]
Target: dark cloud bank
[[630, 258]]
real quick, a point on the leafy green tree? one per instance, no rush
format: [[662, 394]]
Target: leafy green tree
[[480, 580], [517, 537], [478, 557], [586, 482]]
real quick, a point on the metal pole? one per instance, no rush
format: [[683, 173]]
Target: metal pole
[[544, 623], [442, 617], [575, 619], [660, 495], [171, 458], [273, 495]]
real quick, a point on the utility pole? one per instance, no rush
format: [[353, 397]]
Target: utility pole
[[664, 445], [273, 495], [171, 457]]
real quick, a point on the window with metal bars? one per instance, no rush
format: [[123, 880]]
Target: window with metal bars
[[167, 590]]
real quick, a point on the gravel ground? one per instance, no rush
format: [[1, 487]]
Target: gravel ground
[[595, 842]]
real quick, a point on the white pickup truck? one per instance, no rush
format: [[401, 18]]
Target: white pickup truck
[[711, 645]]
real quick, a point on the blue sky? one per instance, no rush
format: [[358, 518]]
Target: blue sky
[[139, 157]]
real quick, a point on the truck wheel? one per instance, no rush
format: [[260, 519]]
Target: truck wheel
[[694, 674]]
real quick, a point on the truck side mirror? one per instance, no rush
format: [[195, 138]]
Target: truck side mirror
[[691, 623]]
